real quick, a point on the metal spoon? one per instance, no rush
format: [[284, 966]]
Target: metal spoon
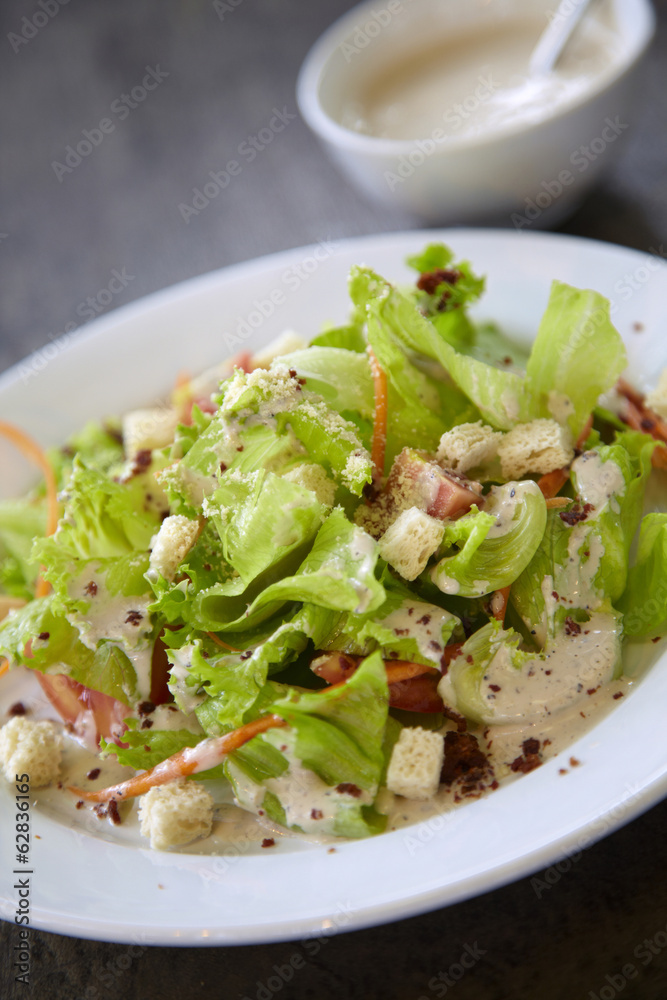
[[556, 36]]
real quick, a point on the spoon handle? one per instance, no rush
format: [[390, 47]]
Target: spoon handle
[[554, 38]]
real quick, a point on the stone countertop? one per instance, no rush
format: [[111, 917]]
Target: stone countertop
[[220, 70]]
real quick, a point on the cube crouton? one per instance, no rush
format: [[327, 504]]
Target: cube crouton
[[468, 446], [175, 813], [410, 541], [540, 446], [416, 763], [31, 747], [144, 430]]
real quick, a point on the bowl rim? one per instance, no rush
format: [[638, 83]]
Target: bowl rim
[[328, 129]]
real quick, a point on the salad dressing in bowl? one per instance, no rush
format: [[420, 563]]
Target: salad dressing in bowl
[[429, 106], [479, 82]]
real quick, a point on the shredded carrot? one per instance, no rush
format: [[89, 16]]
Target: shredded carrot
[[583, 437], [35, 454], [379, 444], [219, 642], [4, 667], [553, 503], [553, 482], [639, 417], [499, 603], [185, 762], [626, 390]]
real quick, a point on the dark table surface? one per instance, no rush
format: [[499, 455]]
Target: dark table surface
[[60, 241]]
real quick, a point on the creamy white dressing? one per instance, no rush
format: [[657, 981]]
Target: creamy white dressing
[[362, 549], [185, 694], [502, 502], [548, 683], [479, 82], [598, 482], [560, 406], [424, 624], [117, 619], [503, 744], [169, 717]]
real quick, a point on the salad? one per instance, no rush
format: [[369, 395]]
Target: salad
[[328, 578]]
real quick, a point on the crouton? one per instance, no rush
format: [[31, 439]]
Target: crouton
[[410, 541], [656, 399], [284, 344], [144, 430], [174, 540], [32, 748], [416, 763], [468, 446], [540, 446], [313, 477], [175, 813]]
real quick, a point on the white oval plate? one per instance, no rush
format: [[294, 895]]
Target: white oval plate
[[92, 887]]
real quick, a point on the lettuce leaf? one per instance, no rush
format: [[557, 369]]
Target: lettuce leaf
[[644, 601], [21, 521], [585, 550], [492, 681], [577, 355], [338, 573], [323, 772], [488, 549]]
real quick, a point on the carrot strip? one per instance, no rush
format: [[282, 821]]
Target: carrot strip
[[588, 426], [4, 667], [553, 503], [35, 454], [640, 418], [626, 390], [219, 642], [191, 760], [553, 482], [379, 442]]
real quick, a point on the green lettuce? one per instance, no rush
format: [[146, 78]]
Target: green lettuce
[[644, 601], [332, 756], [21, 521], [488, 549], [585, 548]]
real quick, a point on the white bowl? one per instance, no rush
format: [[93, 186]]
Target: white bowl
[[519, 173]]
